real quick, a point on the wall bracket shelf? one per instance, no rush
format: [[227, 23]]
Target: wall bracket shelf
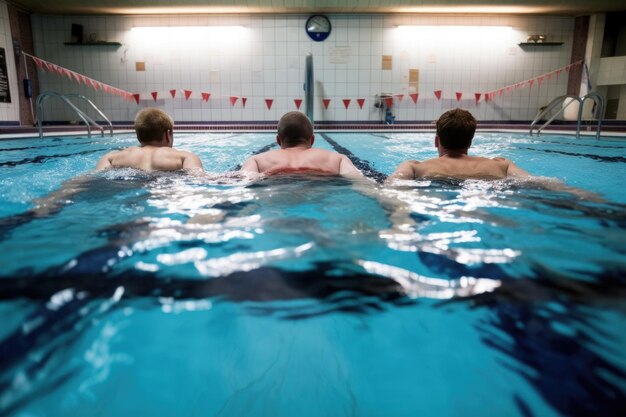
[[540, 43], [101, 43]]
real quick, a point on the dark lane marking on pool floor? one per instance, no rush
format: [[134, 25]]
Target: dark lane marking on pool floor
[[43, 158], [263, 149], [52, 146], [584, 155], [586, 145], [363, 166]]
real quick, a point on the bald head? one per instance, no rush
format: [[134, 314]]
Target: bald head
[[294, 129]]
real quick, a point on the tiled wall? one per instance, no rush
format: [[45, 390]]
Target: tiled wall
[[265, 60], [9, 112]]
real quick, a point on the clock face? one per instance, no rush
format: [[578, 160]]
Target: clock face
[[318, 27]]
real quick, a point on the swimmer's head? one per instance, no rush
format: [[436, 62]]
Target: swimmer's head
[[294, 129], [455, 129], [154, 127]]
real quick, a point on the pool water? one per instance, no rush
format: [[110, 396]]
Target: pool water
[[171, 294]]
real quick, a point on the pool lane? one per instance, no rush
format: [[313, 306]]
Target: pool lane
[[364, 166]]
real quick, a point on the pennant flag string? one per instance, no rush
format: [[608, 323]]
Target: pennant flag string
[[187, 94], [72, 75], [529, 82]]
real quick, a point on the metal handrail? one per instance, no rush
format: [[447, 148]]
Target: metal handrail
[[93, 106], [599, 100], [581, 100], [86, 119]]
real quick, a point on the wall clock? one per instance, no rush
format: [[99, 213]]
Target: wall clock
[[318, 27]]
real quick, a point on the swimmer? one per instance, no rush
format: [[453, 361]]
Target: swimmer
[[455, 131], [154, 130], [296, 154]]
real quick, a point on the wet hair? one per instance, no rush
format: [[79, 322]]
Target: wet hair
[[294, 129], [150, 124], [455, 129]]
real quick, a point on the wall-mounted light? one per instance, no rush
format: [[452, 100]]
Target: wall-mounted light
[[454, 33], [454, 27], [184, 28], [222, 35]]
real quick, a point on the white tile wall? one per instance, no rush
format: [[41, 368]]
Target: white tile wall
[[267, 61], [9, 112], [612, 71]]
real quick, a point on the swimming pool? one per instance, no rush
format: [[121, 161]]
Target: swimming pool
[[168, 294]]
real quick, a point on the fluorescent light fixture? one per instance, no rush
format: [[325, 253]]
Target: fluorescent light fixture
[[179, 29], [453, 27], [222, 35], [450, 34]]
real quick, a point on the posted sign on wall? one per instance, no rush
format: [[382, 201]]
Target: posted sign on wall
[[5, 92]]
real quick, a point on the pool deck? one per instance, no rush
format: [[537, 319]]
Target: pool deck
[[609, 128]]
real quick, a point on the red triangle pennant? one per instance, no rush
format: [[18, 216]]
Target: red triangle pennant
[[154, 94], [326, 102], [205, 96], [38, 62], [389, 102], [477, 97], [298, 102], [268, 103], [539, 81], [76, 77], [399, 97], [136, 97], [243, 101], [414, 97], [360, 102], [173, 93], [458, 96], [187, 94], [233, 100], [346, 103], [530, 83], [437, 94]]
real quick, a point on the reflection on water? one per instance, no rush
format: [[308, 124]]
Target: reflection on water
[[296, 249]]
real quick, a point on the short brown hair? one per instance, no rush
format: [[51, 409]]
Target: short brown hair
[[151, 123], [455, 129], [294, 128]]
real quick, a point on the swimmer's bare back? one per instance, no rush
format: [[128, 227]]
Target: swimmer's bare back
[[292, 160], [149, 158], [464, 167]]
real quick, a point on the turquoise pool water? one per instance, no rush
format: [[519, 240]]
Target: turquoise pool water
[[169, 294]]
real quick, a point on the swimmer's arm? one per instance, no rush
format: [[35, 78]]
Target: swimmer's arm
[[516, 172], [55, 201], [191, 160], [105, 162], [512, 170], [404, 171], [250, 165], [347, 168]]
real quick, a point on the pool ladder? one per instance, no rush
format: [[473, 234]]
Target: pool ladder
[[65, 98], [599, 111]]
